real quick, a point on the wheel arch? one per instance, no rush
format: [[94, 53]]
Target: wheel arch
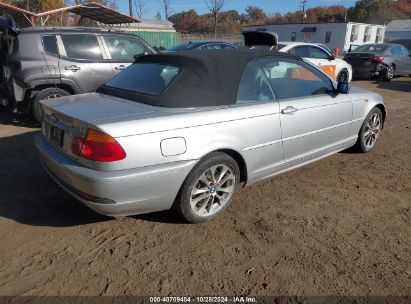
[[384, 112], [239, 159], [240, 162]]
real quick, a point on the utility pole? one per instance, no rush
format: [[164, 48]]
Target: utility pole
[[131, 7], [303, 2]]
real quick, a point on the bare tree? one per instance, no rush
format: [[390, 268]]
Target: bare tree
[[166, 5], [140, 7], [215, 7]]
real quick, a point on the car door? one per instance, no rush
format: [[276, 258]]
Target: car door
[[122, 49], [314, 119], [407, 60], [399, 61], [323, 60], [82, 60], [263, 149]]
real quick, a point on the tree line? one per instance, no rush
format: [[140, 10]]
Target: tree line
[[231, 21]]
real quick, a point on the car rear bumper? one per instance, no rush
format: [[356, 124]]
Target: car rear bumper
[[115, 193], [370, 71]]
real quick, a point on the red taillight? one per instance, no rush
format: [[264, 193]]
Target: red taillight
[[376, 59], [98, 146]]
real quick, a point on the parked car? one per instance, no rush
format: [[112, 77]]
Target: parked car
[[201, 45], [51, 62], [184, 129], [8, 31], [384, 60], [336, 68]]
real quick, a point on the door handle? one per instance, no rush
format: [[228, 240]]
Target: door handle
[[120, 68], [72, 68], [289, 110]]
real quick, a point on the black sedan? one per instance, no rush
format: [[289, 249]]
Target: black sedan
[[384, 60]]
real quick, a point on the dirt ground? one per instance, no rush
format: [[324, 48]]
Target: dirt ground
[[340, 226]]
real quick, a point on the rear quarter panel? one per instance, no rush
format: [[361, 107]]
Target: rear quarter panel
[[252, 131]]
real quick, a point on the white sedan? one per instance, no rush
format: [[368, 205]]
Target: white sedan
[[336, 68]]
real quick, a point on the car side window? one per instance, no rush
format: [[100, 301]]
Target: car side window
[[396, 51], [82, 47], [318, 53], [254, 86], [123, 48], [50, 44], [404, 50], [301, 51], [214, 46], [227, 46], [291, 78]]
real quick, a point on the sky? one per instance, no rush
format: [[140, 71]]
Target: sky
[[269, 6]]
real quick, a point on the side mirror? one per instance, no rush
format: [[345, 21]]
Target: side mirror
[[332, 57], [343, 87]]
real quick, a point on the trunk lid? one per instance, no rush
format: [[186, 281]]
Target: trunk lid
[[95, 107], [360, 59], [71, 116]]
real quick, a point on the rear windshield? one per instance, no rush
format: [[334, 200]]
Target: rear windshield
[[371, 48], [183, 47], [145, 78]]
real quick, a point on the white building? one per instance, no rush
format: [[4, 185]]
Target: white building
[[339, 35]]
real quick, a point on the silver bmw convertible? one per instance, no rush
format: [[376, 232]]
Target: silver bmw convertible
[[183, 130]]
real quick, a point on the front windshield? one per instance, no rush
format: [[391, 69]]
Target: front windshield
[[145, 78], [371, 48]]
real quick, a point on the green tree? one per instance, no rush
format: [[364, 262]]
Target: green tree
[[375, 11], [255, 15], [158, 16]]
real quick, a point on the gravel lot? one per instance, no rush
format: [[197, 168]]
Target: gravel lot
[[340, 226]]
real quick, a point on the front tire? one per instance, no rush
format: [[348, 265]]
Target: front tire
[[370, 131], [48, 93], [343, 76], [209, 188]]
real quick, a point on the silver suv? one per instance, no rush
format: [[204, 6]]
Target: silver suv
[[51, 62]]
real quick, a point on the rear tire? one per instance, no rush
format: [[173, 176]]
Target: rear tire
[[370, 131], [389, 73], [48, 93], [209, 188]]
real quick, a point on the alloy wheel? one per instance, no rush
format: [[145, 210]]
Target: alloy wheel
[[212, 190], [372, 130], [343, 76], [390, 72]]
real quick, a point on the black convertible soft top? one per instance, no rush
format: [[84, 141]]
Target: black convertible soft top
[[208, 78]]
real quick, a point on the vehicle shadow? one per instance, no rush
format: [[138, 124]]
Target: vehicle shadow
[[394, 85], [165, 217], [7, 117], [28, 195]]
